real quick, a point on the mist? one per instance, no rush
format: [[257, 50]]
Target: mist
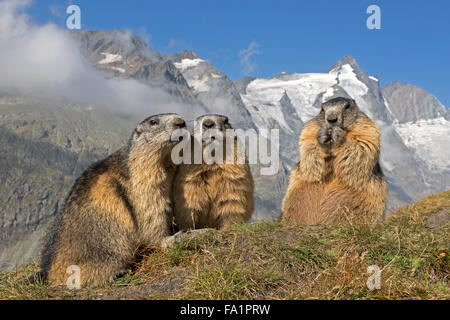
[[45, 61]]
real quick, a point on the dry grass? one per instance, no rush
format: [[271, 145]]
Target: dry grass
[[285, 261]]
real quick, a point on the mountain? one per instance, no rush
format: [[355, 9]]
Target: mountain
[[121, 54], [212, 87], [47, 143], [424, 125], [409, 103], [286, 101], [45, 146]]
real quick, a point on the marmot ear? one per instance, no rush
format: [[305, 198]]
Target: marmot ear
[[227, 124]]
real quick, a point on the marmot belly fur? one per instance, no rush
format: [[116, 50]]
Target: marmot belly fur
[[338, 176], [213, 195], [114, 207]]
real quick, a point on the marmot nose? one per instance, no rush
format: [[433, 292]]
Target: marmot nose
[[208, 124], [332, 118], [180, 123]]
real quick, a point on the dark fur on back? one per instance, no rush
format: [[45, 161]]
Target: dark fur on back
[[79, 192]]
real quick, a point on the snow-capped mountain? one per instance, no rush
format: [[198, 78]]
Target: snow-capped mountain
[[428, 140], [422, 122], [121, 54], [409, 179], [415, 129], [212, 87]]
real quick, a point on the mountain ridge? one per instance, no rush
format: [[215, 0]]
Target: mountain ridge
[[284, 101]]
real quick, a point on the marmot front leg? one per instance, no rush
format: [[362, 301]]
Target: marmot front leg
[[324, 137], [313, 153], [337, 136], [302, 201], [356, 158]]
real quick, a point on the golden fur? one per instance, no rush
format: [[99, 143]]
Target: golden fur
[[213, 196], [341, 182], [116, 206]]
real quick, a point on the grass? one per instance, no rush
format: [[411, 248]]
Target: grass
[[280, 260]]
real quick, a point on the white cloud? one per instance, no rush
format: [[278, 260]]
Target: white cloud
[[46, 61], [13, 21], [144, 35], [246, 55], [57, 11], [176, 43]]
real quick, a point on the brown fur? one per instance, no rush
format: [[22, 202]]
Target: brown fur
[[339, 181], [116, 206], [213, 196]]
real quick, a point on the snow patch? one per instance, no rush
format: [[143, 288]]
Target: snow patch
[[122, 70], [263, 115], [187, 63], [389, 109], [302, 90], [328, 94], [348, 81], [199, 84], [110, 58], [429, 141]]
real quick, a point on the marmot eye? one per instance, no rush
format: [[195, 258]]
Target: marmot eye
[[154, 122], [347, 106]]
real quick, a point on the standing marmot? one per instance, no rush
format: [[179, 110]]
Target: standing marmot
[[338, 175], [212, 195], [115, 206]]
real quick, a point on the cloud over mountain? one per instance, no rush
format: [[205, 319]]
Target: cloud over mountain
[[46, 61], [245, 55]]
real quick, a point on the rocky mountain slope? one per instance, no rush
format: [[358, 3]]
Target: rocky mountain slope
[[423, 124], [47, 143]]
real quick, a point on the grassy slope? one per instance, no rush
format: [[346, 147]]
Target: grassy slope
[[285, 261]]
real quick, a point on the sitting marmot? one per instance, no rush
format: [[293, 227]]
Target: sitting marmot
[[338, 176], [212, 195], [114, 207]]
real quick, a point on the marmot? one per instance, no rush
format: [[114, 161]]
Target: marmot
[[212, 195], [338, 176], [117, 205]]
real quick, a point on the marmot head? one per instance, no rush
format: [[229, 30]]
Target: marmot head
[[339, 112], [157, 130], [211, 124]]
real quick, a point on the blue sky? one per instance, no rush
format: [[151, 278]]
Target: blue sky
[[413, 45]]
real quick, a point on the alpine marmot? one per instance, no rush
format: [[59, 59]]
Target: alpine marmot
[[213, 195], [338, 176], [116, 206]]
